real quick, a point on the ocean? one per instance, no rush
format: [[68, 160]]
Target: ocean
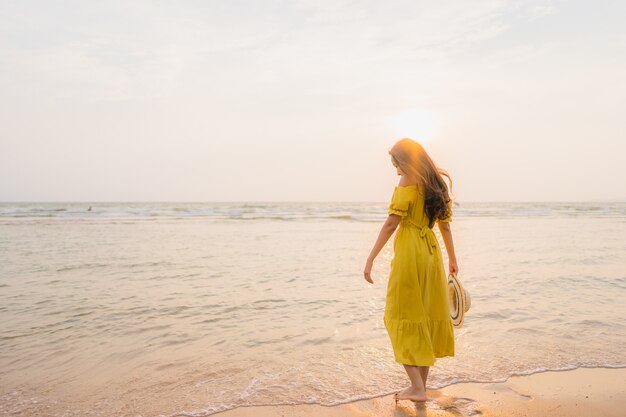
[[188, 309]]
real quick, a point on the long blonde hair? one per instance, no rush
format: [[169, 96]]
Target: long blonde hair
[[413, 160]]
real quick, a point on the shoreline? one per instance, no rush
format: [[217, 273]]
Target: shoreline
[[598, 392]]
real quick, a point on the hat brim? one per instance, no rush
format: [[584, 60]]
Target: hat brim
[[459, 300]]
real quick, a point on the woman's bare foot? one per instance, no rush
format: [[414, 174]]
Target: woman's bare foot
[[411, 393]]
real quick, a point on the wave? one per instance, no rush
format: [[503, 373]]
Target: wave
[[357, 212], [208, 411]]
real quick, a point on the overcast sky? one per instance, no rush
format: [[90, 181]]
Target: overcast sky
[[301, 100]]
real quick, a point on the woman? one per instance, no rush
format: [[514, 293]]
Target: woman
[[417, 312]]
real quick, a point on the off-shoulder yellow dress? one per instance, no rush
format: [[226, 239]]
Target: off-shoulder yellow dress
[[417, 312]]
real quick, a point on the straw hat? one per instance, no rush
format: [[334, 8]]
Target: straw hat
[[460, 300]]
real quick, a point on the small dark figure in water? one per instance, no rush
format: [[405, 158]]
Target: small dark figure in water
[[89, 209]]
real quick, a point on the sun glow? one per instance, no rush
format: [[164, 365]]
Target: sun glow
[[417, 124]]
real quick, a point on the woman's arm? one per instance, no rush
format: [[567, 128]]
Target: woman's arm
[[386, 231], [446, 234]]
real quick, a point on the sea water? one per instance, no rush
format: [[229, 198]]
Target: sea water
[[165, 309]]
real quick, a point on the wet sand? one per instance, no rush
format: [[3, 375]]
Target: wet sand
[[598, 392]]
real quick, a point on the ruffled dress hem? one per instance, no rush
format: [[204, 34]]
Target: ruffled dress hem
[[419, 343]]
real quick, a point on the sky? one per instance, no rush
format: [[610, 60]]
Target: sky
[[302, 100]]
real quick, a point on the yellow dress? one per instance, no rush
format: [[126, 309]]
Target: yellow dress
[[417, 312]]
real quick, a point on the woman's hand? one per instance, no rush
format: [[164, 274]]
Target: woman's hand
[[453, 267], [367, 273]]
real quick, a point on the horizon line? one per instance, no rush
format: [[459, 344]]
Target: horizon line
[[298, 201]]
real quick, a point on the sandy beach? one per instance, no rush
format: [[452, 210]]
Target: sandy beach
[[597, 392]]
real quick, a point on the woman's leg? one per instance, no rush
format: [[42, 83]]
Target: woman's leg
[[415, 377], [416, 390], [424, 374]]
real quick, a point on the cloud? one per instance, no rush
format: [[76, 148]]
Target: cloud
[[122, 50], [539, 11]]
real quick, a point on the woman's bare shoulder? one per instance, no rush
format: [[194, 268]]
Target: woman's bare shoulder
[[405, 181]]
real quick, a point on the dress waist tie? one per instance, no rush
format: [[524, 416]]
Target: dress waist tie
[[424, 232]]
